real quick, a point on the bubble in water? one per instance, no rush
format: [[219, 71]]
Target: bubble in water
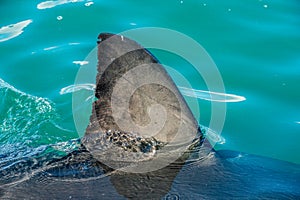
[[171, 197], [89, 3]]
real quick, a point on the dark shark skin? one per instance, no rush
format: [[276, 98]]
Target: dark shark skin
[[200, 173]]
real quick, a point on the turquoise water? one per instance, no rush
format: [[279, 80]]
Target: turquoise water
[[254, 44]]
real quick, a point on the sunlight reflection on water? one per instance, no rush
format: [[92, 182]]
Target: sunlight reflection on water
[[13, 30], [211, 96]]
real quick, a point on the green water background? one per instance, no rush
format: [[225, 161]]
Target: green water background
[[255, 45]]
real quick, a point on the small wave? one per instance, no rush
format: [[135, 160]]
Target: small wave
[[15, 102], [27, 120], [13, 30], [21, 100], [211, 96], [77, 87], [3, 84]]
